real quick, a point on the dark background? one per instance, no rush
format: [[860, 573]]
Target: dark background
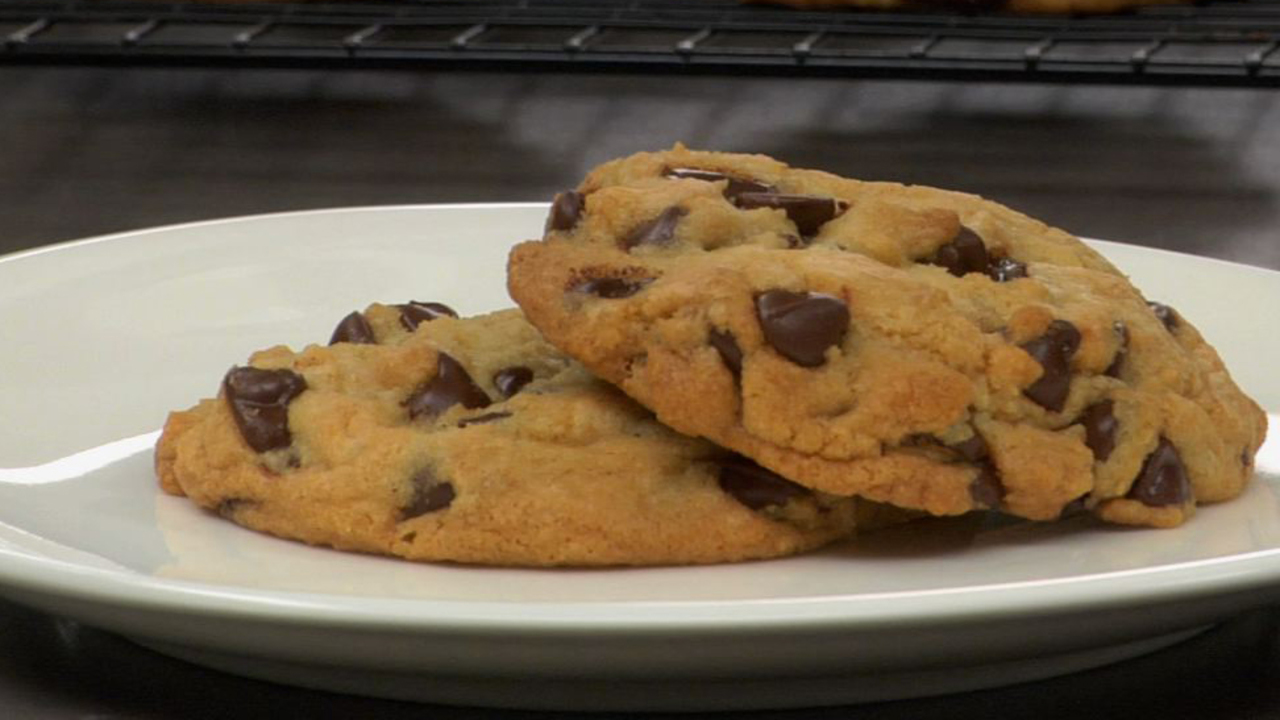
[[92, 151]]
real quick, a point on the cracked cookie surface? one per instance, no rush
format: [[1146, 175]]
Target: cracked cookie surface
[[909, 345], [428, 437]]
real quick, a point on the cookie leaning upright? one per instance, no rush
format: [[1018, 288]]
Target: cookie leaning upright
[[429, 437], [910, 345]]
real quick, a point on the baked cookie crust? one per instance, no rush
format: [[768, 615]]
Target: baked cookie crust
[[424, 436], [909, 345]]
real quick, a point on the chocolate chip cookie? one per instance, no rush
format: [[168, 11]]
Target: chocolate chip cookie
[[417, 434], [909, 345]]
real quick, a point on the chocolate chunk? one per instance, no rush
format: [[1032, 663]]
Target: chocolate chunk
[[973, 449], [1100, 427], [429, 495], [451, 386], [802, 325], [566, 210], [1167, 315], [1163, 478], [1122, 352], [1006, 269], [725, 344], [510, 380], [658, 231], [1053, 350], [414, 313], [1246, 458], [986, 488], [808, 212], [963, 255], [353, 328], [966, 253], [756, 487], [259, 402], [613, 288], [483, 419], [736, 185]]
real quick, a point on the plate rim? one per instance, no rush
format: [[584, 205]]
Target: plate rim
[[63, 245], [1178, 583]]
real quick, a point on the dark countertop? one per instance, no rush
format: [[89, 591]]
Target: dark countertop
[[52, 668], [93, 151]]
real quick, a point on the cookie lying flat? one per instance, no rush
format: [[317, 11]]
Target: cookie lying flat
[[904, 344], [432, 438]]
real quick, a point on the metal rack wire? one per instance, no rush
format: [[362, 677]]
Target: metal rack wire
[[1214, 43]]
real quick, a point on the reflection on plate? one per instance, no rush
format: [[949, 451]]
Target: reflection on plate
[[119, 330]]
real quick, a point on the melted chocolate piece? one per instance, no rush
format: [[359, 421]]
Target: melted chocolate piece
[[612, 288], [801, 326], [509, 381], [483, 419], [451, 386], [1100, 427], [725, 344], [566, 210], [259, 402], [658, 231], [736, 185], [963, 255], [986, 489], [353, 328], [808, 212], [429, 495], [1246, 458], [966, 253], [1122, 352], [1053, 350], [973, 449], [414, 313], [1163, 478], [1167, 315], [756, 487], [1006, 269]]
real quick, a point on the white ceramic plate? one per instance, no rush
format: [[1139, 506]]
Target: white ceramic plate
[[103, 337]]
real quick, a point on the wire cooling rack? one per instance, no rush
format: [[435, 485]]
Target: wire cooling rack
[[1210, 43]]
